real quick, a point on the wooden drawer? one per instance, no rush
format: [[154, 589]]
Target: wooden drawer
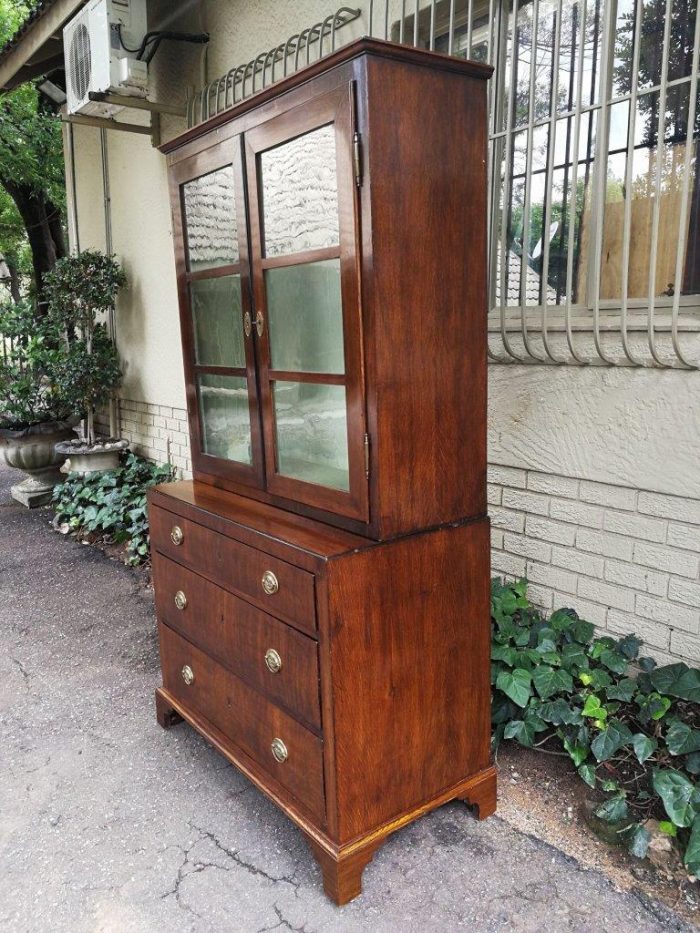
[[237, 567], [240, 637], [247, 718]]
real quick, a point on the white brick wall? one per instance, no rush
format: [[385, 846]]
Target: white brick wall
[[158, 432], [626, 559]]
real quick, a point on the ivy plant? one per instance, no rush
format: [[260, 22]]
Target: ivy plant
[[631, 728], [112, 504]]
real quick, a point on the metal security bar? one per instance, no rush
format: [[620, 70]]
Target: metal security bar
[[242, 81], [594, 228]]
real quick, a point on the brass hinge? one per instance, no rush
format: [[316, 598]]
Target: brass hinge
[[357, 157], [367, 455]]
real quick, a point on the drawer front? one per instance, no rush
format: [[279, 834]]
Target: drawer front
[[252, 723], [269, 655], [272, 584]]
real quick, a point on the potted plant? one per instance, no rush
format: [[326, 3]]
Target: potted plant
[[34, 416], [80, 289]]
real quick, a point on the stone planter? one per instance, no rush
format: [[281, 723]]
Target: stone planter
[[33, 451], [86, 458]]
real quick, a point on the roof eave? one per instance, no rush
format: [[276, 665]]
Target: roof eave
[[38, 47]]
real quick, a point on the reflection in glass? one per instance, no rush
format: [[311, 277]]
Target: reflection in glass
[[210, 220], [216, 318], [305, 317], [224, 417], [653, 163], [300, 194], [312, 434]]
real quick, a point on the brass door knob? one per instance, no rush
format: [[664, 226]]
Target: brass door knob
[[279, 750], [273, 661], [247, 324], [270, 583], [187, 675], [177, 535], [180, 600]]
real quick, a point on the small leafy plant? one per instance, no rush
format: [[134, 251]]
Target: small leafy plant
[[632, 729], [111, 504], [29, 391]]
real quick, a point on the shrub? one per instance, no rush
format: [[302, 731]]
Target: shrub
[[632, 729], [111, 504]]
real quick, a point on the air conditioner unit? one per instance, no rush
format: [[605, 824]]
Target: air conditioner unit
[[100, 49]]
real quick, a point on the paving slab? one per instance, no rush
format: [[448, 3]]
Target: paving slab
[[111, 825]]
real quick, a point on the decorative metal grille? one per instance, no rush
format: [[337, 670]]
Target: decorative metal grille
[[594, 136]]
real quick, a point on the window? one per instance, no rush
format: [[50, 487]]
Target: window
[[594, 135]]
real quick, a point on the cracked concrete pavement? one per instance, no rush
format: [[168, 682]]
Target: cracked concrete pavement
[[110, 824]]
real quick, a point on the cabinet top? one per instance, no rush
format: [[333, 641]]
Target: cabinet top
[[365, 46]]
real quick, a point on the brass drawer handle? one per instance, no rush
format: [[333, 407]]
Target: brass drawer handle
[[273, 661], [188, 675], [279, 750], [177, 536], [180, 600], [270, 583]]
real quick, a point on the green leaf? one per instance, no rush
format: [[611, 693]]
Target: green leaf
[[583, 632], [592, 708], [559, 712], [613, 810], [578, 753], [614, 661], [668, 828], [623, 690], [654, 706], [521, 731], [691, 859], [677, 680], [638, 839], [504, 653], [517, 685], [587, 772], [573, 656], [629, 646], [561, 621], [681, 739], [643, 746], [692, 763], [612, 738], [677, 794], [549, 680]]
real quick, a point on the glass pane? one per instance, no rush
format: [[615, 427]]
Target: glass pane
[[312, 433], [657, 165], [210, 220], [224, 417], [216, 316], [300, 194], [305, 317]]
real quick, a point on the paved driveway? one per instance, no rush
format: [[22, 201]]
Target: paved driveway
[[108, 823]]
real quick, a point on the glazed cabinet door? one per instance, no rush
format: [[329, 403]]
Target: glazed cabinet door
[[304, 262], [210, 233]]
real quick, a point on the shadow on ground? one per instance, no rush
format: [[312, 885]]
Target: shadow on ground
[[110, 824]]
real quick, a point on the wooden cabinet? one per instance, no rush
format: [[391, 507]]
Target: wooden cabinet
[[322, 584]]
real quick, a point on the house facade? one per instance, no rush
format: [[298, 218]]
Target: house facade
[[594, 244]]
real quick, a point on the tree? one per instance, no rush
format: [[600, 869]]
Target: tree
[[31, 163]]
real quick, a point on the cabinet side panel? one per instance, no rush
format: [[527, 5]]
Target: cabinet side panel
[[409, 653], [424, 284]]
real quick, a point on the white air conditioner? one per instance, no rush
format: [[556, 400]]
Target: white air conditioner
[[100, 49]]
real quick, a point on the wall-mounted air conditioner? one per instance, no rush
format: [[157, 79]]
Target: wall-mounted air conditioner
[[101, 47]]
